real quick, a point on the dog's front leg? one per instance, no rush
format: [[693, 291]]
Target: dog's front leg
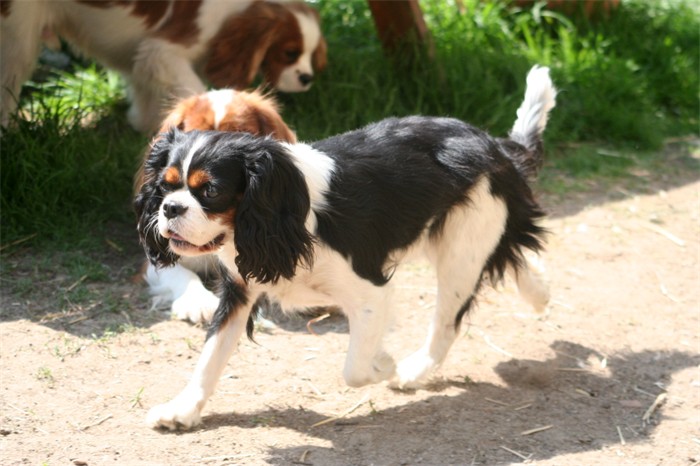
[[160, 74], [229, 323], [191, 300], [366, 361]]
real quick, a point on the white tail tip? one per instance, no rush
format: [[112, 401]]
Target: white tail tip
[[539, 99]]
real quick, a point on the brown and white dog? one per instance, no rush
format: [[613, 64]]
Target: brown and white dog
[[180, 286], [167, 49]]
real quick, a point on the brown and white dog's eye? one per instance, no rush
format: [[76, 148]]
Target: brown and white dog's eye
[[292, 55]]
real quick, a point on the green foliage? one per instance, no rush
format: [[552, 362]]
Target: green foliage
[[617, 85], [68, 167], [627, 81]]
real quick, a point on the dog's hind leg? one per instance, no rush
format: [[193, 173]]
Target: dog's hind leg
[[459, 252], [229, 323], [531, 282]]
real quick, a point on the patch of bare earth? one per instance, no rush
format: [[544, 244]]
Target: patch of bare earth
[[609, 375]]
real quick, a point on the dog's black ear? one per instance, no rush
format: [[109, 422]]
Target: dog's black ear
[[149, 198], [270, 232]]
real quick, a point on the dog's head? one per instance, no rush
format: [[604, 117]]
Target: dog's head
[[207, 190], [229, 110], [282, 41]]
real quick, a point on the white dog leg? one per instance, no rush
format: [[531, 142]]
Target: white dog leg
[[468, 239], [414, 370], [366, 361], [20, 44], [184, 411], [191, 301], [159, 77], [532, 284]]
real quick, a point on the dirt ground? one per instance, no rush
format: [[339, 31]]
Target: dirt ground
[[610, 374]]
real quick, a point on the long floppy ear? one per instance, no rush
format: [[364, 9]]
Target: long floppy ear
[[148, 200], [319, 59], [239, 48], [270, 232]]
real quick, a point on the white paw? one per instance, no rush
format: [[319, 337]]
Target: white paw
[[178, 414], [413, 372], [196, 306], [382, 368]]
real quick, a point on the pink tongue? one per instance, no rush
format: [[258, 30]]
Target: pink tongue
[[177, 237]]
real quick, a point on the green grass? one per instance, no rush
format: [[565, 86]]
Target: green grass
[[68, 167], [626, 83]]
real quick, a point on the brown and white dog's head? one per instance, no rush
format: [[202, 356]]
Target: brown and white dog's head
[[282, 41], [224, 110], [167, 48], [229, 110]]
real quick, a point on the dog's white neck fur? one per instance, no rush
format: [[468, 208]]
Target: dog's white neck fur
[[317, 169]]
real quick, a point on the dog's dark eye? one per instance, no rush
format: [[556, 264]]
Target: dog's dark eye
[[210, 191], [291, 55], [165, 186]]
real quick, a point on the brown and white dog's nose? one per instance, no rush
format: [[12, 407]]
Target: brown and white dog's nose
[[305, 79], [173, 209]]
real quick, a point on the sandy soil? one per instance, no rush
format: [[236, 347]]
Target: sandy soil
[[610, 374]]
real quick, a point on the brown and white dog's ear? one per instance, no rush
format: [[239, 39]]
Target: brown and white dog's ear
[[238, 50], [319, 58]]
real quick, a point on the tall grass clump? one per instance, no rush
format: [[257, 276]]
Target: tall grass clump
[[67, 161], [631, 78]]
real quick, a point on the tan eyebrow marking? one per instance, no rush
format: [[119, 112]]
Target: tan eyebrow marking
[[172, 175], [197, 179]]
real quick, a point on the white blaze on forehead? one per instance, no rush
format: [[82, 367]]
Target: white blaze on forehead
[[310, 33], [219, 100], [196, 145]]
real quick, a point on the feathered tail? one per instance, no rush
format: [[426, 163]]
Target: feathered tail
[[527, 130]]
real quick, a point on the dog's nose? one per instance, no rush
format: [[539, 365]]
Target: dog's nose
[[173, 209], [305, 79]]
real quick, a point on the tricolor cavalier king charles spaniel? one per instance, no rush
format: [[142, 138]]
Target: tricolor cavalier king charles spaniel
[[328, 223], [180, 286], [166, 49]]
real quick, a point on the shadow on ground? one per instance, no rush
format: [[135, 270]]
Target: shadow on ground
[[580, 410]]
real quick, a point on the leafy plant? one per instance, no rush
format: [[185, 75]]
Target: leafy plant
[[68, 162]]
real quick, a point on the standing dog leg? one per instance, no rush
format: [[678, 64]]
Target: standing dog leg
[[468, 239], [532, 285], [190, 299], [229, 323], [20, 44], [366, 361], [159, 77]]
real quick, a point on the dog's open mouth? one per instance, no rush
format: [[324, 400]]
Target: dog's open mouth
[[179, 243]]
